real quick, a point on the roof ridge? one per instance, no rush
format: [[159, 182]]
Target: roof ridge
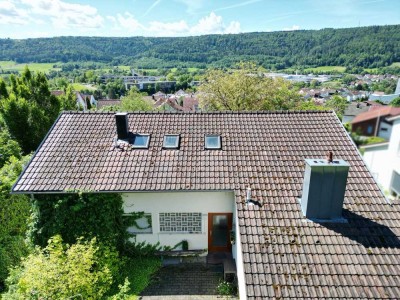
[[206, 112]]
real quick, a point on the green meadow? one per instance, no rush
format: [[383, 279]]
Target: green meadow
[[35, 67]]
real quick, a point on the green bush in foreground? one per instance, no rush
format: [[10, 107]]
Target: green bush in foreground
[[85, 270], [227, 288]]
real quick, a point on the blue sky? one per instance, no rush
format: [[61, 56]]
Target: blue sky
[[47, 18]]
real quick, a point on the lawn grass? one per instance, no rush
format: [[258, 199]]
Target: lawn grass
[[35, 67], [326, 69], [80, 87]]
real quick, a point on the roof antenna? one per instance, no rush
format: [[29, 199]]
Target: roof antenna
[[250, 201], [116, 144], [329, 157]]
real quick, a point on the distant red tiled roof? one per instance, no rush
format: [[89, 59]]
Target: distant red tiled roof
[[108, 102], [284, 255], [57, 92], [375, 112], [190, 103]]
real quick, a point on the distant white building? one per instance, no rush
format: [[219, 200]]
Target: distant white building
[[386, 98], [82, 101], [383, 160]]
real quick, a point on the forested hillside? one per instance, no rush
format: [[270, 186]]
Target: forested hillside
[[368, 47]]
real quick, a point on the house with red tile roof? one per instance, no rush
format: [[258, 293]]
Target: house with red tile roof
[[375, 121], [108, 103], [254, 185]]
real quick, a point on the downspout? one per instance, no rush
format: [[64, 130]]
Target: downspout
[[377, 125]]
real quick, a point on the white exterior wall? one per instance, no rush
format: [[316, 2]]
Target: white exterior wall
[[394, 149], [175, 202], [385, 133], [239, 263], [377, 161], [383, 160]]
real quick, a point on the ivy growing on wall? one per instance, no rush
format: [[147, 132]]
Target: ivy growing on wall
[[74, 215]]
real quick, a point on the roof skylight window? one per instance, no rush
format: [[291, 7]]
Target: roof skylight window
[[171, 141], [213, 142], [141, 141]]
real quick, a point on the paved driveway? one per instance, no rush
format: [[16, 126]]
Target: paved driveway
[[185, 282]]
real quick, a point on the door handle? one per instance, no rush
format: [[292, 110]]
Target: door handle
[[210, 232]]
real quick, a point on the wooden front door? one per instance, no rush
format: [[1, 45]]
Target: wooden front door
[[219, 229]]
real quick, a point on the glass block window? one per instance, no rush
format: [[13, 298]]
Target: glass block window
[[180, 222], [212, 142], [142, 225], [141, 141]]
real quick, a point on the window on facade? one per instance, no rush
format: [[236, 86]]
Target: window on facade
[[142, 224], [141, 141], [384, 129], [171, 141], [180, 222], [398, 150], [395, 186], [369, 129], [212, 142]]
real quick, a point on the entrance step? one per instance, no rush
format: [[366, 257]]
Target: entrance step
[[216, 258]]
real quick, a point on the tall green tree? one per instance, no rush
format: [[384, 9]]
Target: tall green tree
[[338, 104], [30, 109], [246, 88], [134, 101], [68, 100]]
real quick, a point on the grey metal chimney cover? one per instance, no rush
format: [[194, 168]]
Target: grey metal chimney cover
[[324, 188], [121, 121]]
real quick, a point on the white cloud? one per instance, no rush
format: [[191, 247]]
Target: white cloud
[[293, 28], [127, 22], [233, 27], [210, 24], [192, 6], [66, 15], [213, 24], [168, 29], [10, 14]]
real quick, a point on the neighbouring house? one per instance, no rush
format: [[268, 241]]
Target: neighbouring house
[[83, 99], [159, 95], [255, 184], [180, 101], [353, 109], [381, 96], [57, 93], [375, 122], [383, 159], [108, 102]]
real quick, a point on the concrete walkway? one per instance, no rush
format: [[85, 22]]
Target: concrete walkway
[[185, 282]]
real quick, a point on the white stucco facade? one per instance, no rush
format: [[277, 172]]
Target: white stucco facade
[[385, 130], [384, 159], [155, 203]]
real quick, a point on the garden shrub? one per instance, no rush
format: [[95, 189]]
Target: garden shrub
[[85, 270], [14, 212], [227, 288]]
